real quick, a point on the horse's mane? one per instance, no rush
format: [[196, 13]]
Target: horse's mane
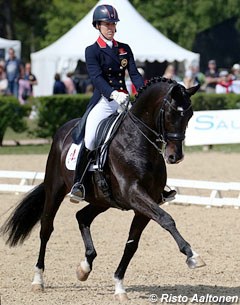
[[154, 80]]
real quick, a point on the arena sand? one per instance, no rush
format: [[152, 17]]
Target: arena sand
[[158, 268]]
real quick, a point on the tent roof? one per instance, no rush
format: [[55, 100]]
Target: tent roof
[[7, 43], [146, 42]]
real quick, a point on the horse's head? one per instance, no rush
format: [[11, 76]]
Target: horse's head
[[162, 110], [175, 112]]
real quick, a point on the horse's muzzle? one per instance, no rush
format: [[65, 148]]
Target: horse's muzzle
[[173, 154]]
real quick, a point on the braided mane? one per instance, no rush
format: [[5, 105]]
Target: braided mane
[[152, 81]]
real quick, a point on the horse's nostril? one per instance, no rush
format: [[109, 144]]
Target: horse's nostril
[[172, 158]]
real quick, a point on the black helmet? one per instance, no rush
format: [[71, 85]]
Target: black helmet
[[105, 13]]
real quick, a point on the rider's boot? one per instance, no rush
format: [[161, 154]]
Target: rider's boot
[[78, 190], [168, 195]]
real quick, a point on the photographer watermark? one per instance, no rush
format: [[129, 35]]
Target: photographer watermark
[[169, 298]]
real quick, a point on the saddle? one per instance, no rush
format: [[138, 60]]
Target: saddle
[[105, 132]]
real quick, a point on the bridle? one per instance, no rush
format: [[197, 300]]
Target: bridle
[[161, 135]]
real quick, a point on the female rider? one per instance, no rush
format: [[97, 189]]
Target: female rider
[[106, 60]]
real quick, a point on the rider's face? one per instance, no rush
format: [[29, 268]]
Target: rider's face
[[107, 29]]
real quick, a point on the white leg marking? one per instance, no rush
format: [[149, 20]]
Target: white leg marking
[[194, 254], [119, 288], [85, 266], [38, 276]]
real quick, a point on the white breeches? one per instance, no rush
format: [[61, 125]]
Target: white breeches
[[100, 111]]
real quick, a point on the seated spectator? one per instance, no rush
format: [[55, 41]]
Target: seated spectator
[[58, 87], [211, 77], [3, 80], [224, 84], [69, 84], [26, 83], [170, 72]]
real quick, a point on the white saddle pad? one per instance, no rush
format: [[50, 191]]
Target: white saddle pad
[[72, 155]]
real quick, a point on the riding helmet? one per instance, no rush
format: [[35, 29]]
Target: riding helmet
[[105, 13]]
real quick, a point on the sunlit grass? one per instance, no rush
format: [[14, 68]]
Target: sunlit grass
[[25, 149]]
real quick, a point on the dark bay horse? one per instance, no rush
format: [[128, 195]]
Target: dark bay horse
[[135, 171]]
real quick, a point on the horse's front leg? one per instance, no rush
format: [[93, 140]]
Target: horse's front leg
[[139, 223], [143, 203], [85, 218]]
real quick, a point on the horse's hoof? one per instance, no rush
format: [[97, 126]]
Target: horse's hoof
[[82, 275], [122, 297], [37, 288], [195, 261]]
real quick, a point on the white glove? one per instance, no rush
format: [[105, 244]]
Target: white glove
[[120, 97]]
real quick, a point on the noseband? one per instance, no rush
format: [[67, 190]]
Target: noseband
[[161, 135], [171, 136]]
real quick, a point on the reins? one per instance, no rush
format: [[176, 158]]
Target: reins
[[158, 135]]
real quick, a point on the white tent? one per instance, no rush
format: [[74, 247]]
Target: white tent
[[5, 44], [146, 43]]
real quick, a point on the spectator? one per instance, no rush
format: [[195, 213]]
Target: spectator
[[236, 72], [133, 88], [236, 78], [69, 84], [59, 87], [211, 77], [189, 80], [170, 72], [224, 84], [14, 70], [3, 80], [26, 84], [193, 76]]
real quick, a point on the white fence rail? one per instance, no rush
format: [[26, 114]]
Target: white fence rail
[[26, 180], [220, 193]]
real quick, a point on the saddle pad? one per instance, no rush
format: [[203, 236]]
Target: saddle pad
[[72, 155]]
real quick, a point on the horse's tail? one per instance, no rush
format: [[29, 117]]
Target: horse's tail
[[25, 216]]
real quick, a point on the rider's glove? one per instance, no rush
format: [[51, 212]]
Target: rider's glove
[[121, 98]]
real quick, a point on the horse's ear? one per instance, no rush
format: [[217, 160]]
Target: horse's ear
[[193, 90]]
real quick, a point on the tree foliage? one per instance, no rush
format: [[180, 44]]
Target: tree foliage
[[181, 20], [62, 16]]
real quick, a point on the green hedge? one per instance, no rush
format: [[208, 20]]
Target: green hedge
[[54, 111], [12, 114], [207, 101]]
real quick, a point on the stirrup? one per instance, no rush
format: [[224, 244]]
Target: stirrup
[[77, 193]]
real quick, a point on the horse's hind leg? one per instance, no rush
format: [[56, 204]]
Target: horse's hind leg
[[85, 218], [139, 223], [54, 197]]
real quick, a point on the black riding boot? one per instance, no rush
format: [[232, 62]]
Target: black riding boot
[[78, 190]]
